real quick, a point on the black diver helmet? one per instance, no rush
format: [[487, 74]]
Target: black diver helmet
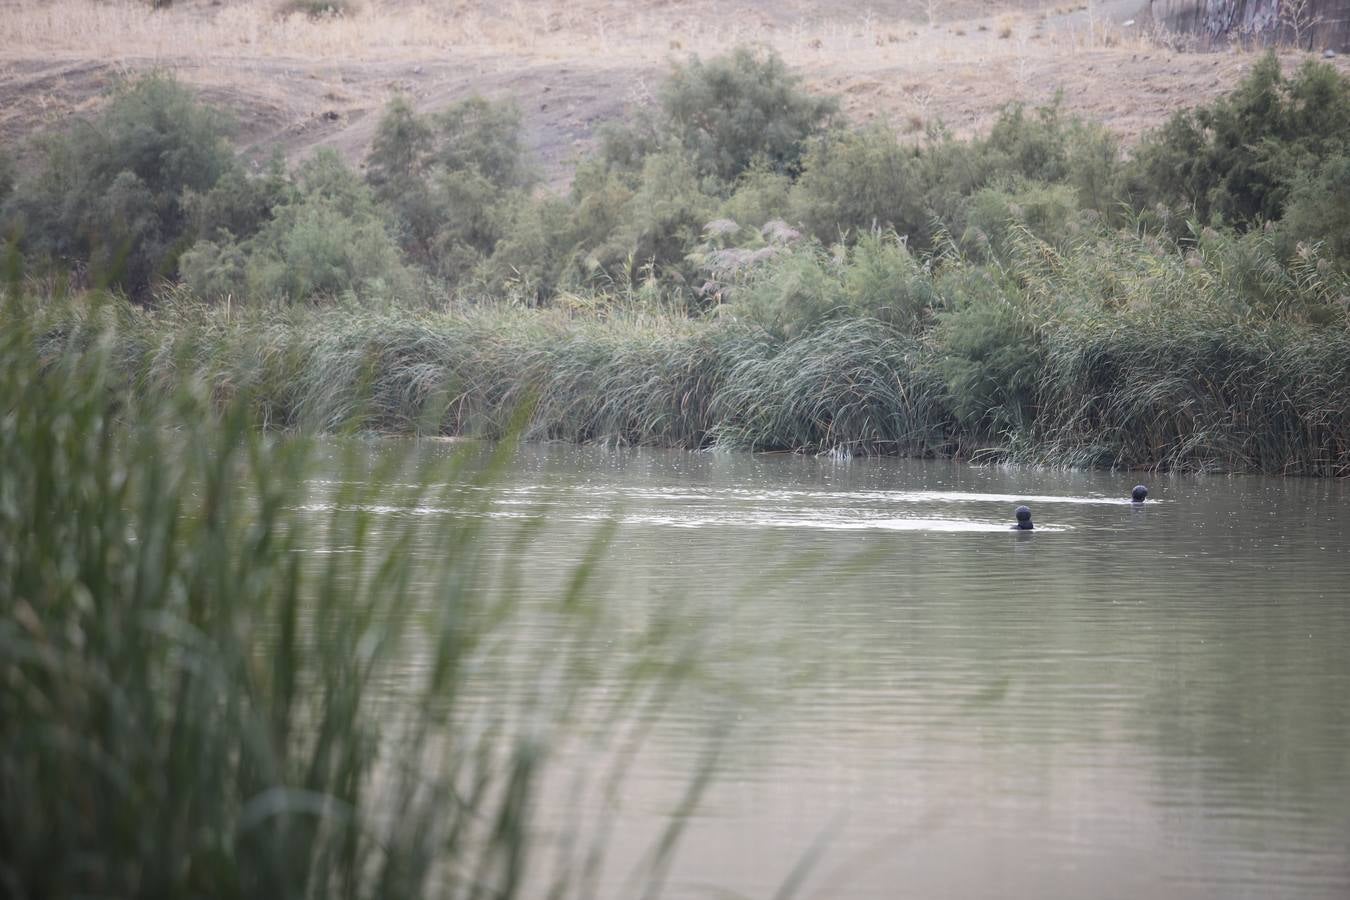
[[1139, 494], [1023, 514]]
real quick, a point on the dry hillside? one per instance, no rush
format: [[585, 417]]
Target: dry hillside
[[301, 83]]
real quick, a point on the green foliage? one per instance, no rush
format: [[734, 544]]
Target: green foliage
[[759, 197], [614, 230], [449, 181], [1113, 350], [7, 176], [239, 204], [214, 270], [1318, 211], [113, 194], [623, 146], [679, 203], [1237, 160], [328, 239], [991, 357], [854, 182], [1094, 169], [536, 255], [793, 292], [668, 213], [1033, 147], [551, 243], [742, 108], [204, 651], [1049, 212], [851, 386], [727, 133], [478, 135]]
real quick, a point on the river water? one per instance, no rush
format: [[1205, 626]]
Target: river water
[[909, 699]]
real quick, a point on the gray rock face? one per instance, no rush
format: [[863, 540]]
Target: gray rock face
[[1214, 23]]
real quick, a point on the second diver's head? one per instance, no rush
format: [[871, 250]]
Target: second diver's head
[[1139, 494], [1023, 514]]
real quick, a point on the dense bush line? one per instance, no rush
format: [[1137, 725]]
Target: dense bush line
[[1114, 353], [151, 192]]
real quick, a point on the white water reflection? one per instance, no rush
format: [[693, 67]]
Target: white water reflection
[[744, 508]]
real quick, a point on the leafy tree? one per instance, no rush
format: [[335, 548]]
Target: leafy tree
[[239, 204], [854, 182], [448, 180], [1238, 159], [327, 239], [742, 108], [113, 193], [1318, 210]]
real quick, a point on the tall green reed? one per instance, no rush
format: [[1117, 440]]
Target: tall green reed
[[221, 679], [1119, 350]]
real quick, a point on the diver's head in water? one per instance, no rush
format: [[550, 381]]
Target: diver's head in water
[[1023, 514], [1139, 494]]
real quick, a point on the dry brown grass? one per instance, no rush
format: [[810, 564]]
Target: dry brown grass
[[551, 28], [574, 63], [125, 28]]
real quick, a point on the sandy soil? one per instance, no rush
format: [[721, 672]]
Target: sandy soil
[[301, 84]]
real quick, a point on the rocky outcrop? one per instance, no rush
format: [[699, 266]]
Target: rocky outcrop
[[1315, 24]]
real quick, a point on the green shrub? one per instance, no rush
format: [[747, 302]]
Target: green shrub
[[113, 194], [855, 182], [1032, 147], [214, 270], [239, 204], [623, 231], [317, 252], [729, 132], [1095, 170], [989, 354], [485, 137], [586, 239], [882, 280], [834, 184], [742, 108], [791, 292], [733, 112], [1237, 160], [1048, 212], [760, 196], [623, 146], [1318, 211], [6, 176], [668, 213], [449, 180], [330, 238], [537, 253]]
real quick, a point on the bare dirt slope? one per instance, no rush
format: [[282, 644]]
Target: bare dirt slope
[[300, 84]]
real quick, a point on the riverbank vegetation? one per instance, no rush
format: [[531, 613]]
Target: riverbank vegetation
[[735, 267]]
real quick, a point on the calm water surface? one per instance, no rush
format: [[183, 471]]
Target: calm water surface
[[1128, 702]]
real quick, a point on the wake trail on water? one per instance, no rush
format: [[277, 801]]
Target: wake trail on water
[[736, 507]]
